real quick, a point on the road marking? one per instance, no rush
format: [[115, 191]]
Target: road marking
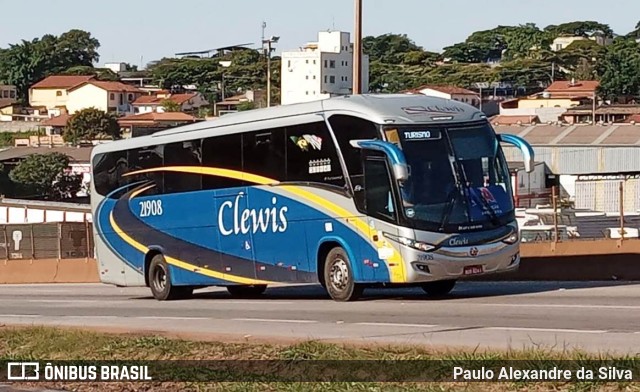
[[20, 315], [56, 301], [171, 318], [276, 321], [545, 330], [261, 302], [524, 305], [398, 325], [87, 317]]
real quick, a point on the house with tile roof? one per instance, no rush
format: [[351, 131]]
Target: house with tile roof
[[148, 123], [59, 94], [188, 102], [106, 96], [52, 93]]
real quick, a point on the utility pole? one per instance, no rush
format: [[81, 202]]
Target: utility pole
[[269, 75], [269, 42], [594, 108], [357, 50]]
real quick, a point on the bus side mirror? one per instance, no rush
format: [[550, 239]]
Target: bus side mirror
[[523, 146], [396, 156]]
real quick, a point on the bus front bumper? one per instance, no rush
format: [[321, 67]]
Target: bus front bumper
[[460, 262]]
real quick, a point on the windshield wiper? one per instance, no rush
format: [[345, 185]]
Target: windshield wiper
[[452, 198]]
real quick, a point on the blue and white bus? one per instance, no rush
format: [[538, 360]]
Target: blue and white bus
[[349, 192]]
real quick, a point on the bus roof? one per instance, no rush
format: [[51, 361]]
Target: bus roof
[[392, 109]]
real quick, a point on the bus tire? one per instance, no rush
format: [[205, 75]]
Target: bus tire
[[160, 281], [247, 291], [338, 277], [439, 288]]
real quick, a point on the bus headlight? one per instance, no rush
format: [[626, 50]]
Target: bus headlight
[[422, 246], [512, 239]]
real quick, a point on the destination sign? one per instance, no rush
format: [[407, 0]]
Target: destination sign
[[432, 134]]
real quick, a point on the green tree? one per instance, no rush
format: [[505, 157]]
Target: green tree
[[502, 42], [5, 183], [580, 58], [635, 34], [171, 106], [27, 62], [619, 69], [247, 105], [100, 73], [45, 176], [173, 73], [580, 28], [90, 124], [389, 48]]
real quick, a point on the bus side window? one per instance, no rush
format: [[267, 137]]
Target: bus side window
[[108, 170], [347, 128], [147, 158], [312, 155], [263, 153], [222, 152], [183, 154], [378, 191]]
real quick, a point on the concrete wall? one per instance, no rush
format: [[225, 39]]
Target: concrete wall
[[49, 271], [18, 126]]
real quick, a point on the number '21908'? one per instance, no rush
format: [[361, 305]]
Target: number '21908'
[[150, 208]]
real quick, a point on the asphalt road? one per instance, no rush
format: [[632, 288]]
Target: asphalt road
[[595, 317]]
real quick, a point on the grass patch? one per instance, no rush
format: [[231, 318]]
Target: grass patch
[[43, 343]]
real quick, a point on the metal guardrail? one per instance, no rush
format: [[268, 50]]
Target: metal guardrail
[[46, 241]]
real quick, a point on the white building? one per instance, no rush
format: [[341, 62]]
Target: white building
[[116, 67], [320, 70], [449, 92]]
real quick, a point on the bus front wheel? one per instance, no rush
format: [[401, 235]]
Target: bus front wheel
[[160, 281], [247, 291], [338, 277], [439, 288]]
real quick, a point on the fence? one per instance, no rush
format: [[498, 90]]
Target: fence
[[46, 241], [557, 224]]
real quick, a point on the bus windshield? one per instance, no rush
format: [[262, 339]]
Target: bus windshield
[[459, 179]]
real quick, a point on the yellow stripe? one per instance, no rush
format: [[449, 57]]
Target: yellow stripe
[[139, 191], [395, 264], [397, 273], [182, 264], [211, 171]]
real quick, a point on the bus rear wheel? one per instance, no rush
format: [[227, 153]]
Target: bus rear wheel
[[247, 291], [439, 288], [160, 282], [338, 277]]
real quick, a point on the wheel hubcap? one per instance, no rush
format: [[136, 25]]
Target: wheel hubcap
[[339, 275], [161, 279]]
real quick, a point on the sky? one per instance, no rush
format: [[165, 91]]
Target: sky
[[140, 31]]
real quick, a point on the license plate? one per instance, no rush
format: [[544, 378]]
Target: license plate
[[473, 270]]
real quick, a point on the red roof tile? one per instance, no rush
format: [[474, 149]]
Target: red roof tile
[[154, 116], [4, 102], [62, 81], [182, 98], [580, 86], [147, 100], [59, 121], [110, 86], [155, 100]]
